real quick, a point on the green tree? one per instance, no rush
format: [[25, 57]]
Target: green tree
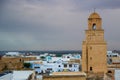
[[58, 55], [27, 65], [42, 57]]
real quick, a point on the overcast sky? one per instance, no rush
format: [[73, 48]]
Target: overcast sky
[[55, 24]]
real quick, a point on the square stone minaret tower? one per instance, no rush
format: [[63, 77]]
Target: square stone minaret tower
[[94, 47]]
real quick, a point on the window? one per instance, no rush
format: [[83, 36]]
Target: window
[[109, 71], [20, 60], [90, 68], [94, 26], [68, 57], [70, 65], [90, 58], [75, 65], [65, 65], [49, 68], [90, 48], [36, 67], [59, 66]]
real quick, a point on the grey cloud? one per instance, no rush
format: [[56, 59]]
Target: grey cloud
[[50, 24], [86, 5]]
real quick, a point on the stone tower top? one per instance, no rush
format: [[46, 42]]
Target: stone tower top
[[94, 15], [94, 22]]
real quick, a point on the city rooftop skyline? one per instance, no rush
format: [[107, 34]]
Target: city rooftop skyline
[[55, 24]]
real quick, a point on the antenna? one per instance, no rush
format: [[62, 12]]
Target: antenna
[[94, 10]]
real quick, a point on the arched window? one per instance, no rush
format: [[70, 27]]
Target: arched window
[[90, 68], [90, 58], [90, 48], [109, 71], [94, 26], [20, 60], [59, 66]]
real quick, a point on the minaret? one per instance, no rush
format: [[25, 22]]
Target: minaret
[[94, 47]]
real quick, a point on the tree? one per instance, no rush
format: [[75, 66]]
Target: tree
[[27, 65], [58, 55], [42, 57]]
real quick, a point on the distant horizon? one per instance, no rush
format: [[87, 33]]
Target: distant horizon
[[41, 50], [46, 50]]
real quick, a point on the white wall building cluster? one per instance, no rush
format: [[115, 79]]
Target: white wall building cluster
[[56, 64]]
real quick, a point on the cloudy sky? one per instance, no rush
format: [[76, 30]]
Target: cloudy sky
[[55, 24]]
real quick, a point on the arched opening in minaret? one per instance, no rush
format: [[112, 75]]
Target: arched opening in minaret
[[109, 71], [94, 26], [91, 69]]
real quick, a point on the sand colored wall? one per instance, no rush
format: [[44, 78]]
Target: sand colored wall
[[10, 63], [64, 78]]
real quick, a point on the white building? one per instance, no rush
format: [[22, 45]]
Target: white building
[[117, 74], [57, 66], [67, 56], [72, 67], [45, 54], [112, 54], [6, 76], [22, 75], [12, 54], [18, 75], [55, 59]]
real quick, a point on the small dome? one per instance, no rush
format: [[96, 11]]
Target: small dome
[[94, 15]]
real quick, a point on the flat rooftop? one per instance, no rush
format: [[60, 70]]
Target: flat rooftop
[[5, 73]]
